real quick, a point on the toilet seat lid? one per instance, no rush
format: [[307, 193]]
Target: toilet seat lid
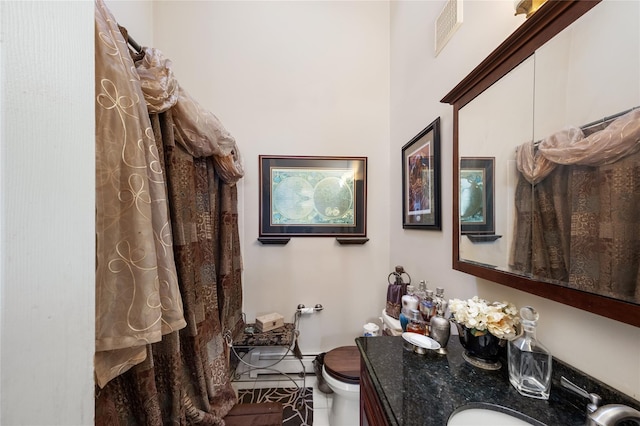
[[343, 364]]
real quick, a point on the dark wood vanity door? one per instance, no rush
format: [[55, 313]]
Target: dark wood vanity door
[[371, 413]]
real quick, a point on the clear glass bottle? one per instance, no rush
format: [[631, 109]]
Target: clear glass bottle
[[422, 291], [416, 324], [529, 361], [428, 306]]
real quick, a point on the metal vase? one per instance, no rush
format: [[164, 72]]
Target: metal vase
[[440, 330]]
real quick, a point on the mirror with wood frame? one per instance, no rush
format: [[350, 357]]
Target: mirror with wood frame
[[539, 205]]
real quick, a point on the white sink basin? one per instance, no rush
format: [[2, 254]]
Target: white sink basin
[[489, 415]]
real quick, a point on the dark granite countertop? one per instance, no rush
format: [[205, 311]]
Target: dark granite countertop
[[426, 389]]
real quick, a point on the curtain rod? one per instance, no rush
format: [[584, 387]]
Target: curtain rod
[[608, 119], [130, 41], [602, 121], [134, 44]]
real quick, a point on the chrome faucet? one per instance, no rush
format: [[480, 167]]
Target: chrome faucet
[[605, 415], [611, 414]]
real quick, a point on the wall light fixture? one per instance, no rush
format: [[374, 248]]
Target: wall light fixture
[[527, 7]]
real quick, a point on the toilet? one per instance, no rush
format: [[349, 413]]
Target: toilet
[[390, 325], [341, 371]]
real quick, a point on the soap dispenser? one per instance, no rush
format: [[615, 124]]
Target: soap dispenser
[[440, 327], [529, 361]]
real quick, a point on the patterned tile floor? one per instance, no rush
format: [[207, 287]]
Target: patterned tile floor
[[321, 401]]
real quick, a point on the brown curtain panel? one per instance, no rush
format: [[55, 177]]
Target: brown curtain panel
[[188, 380], [605, 232], [183, 377], [137, 292], [541, 242]]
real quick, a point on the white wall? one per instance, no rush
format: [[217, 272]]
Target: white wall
[[605, 349], [297, 78], [47, 207], [136, 16]]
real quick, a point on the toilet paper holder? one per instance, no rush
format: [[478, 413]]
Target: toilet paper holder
[[303, 310]]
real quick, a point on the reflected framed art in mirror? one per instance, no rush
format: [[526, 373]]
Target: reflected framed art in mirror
[[476, 195]]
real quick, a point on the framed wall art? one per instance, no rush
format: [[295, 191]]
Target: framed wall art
[[421, 180], [476, 195], [313, 196]]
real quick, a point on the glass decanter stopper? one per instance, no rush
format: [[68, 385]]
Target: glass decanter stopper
[[529, 361]]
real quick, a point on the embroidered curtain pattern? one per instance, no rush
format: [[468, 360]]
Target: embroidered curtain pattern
[[576, 209], [137, 293], [181, 375]]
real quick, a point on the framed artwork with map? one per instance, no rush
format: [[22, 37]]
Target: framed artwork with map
[[313, 196]]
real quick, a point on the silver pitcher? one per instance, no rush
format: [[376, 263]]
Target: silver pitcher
[[440, 329]]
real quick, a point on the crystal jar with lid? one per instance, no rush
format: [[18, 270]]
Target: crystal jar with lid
[[529, 361]]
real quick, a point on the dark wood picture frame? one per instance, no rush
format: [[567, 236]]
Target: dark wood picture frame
[[477, 195], [421, 180], [307, 196]]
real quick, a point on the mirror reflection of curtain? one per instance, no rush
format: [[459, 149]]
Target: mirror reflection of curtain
[[541, 243], [179, 375], [577, 204], [605, 240]]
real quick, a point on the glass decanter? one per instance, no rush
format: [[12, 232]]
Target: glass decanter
[[529, 361]]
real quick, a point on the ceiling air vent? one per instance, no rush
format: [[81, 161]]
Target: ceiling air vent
[[447, 23]]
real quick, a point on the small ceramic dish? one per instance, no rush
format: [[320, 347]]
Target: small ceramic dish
[[421, 340]]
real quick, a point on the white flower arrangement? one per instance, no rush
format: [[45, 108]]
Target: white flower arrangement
[[498, 318]]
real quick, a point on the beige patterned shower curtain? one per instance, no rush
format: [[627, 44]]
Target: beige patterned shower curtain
[[168, 264], [577, 199]]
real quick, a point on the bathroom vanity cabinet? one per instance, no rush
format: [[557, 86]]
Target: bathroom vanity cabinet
[[400, 387], [371, 411]]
